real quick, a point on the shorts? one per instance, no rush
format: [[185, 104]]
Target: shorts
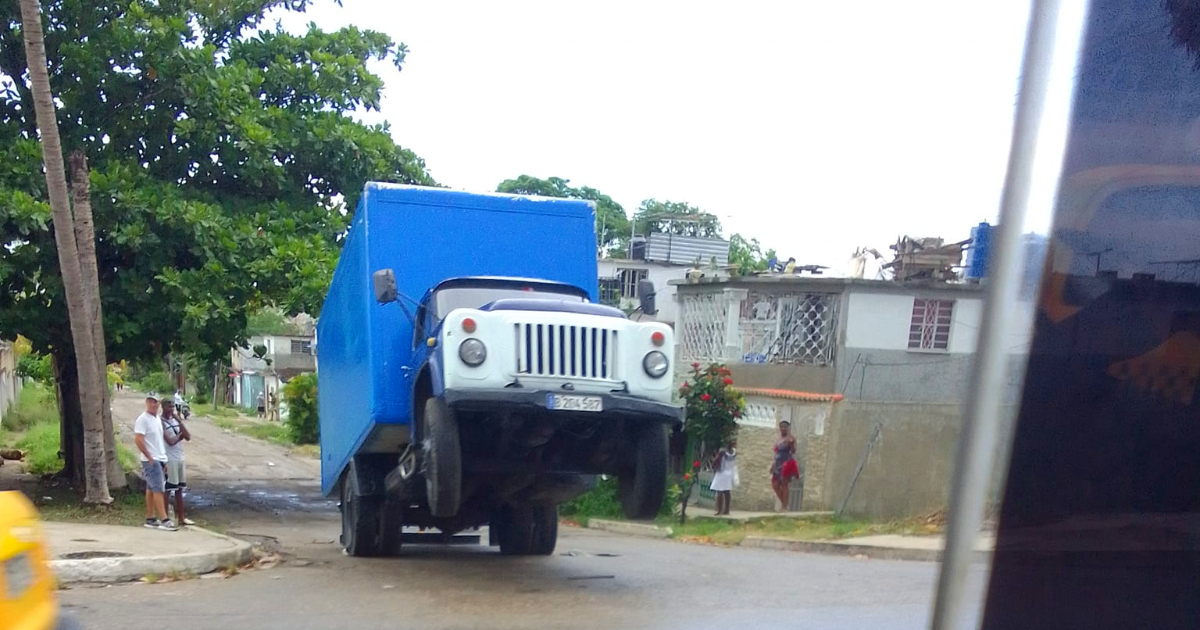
[[262, 409], [176, 475], [156, 478]]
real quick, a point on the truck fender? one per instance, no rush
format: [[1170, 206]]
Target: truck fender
[[370, 470], [428, 385]]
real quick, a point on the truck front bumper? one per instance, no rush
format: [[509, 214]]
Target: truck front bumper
[[534, 402]]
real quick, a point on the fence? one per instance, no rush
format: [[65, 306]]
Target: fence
[[758, 326]]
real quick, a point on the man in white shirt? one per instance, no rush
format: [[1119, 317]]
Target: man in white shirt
[[152, 451]]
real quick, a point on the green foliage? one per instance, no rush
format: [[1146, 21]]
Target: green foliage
[[612, 224], [37, 367], [599, 502], [747, 254], [157, 382], [270, 321], [40, 444], [713, 407], [675, 217], [223, 157], [300, 395], [36, 405]]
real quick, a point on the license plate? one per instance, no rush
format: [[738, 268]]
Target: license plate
[[18, 575], [560, 402]]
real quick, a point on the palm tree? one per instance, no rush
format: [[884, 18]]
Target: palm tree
[[91, 376]]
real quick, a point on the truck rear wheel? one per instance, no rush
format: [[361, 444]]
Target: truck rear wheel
[[643, 486], [360, 520], [527, 530], [443, 460]]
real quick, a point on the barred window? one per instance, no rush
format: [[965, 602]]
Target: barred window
[[929, 328], [301, 347], [629, 281]]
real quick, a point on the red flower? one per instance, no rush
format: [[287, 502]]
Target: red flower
[[728, 381], [696, 365], [705, 397], [696, 464], [687, 476], [685, 385]]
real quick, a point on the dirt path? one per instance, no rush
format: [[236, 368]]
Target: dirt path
[[230, 472]]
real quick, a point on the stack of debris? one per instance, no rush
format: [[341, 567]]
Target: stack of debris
[[926, 259]]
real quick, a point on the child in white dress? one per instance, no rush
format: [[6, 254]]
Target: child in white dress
[[725, 476]]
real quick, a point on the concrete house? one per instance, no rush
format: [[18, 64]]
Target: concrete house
[[871, 373], [286, 356]]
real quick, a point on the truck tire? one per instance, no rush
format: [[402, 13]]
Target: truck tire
[[527, 530], [443, 460], [642, 487], [360, 520], [391, 528]]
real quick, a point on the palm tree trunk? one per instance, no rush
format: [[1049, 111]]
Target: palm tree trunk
[[85, 240], [90, 379]]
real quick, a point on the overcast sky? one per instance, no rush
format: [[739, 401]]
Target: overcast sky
[[815, 127]]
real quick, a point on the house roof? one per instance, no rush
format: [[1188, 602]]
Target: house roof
[[788, 394]]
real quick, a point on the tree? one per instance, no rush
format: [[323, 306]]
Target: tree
[[674, 217], [612, 224], [92, 379], [224, 161], [748, 255], [713, 408]]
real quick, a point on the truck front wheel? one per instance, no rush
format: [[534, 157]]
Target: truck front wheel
[[643, 486], [443, 460], [360, 520]]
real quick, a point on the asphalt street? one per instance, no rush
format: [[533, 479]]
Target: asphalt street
[[594, 579]]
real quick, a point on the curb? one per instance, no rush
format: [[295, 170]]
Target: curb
[[831, 548], [134, 568], [629, 529]]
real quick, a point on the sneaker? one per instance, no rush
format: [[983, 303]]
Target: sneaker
[[151, 523], [168, 525], [188, 521]]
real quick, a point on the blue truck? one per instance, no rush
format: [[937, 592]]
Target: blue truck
[[467, 375]]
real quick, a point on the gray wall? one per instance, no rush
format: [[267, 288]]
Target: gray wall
[[800, 378], [908, 468], [872, 375]]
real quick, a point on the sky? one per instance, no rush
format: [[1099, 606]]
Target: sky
[[814, 127]]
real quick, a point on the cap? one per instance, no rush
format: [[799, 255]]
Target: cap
[[152, 396], [787, 422]]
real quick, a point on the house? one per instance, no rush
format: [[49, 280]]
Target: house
[[285, 356], [619, 278], [879, 369], [664, 259]]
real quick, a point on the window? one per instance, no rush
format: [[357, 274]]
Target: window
[[610, 291], [930, 325], [629, 279], [300, 346]]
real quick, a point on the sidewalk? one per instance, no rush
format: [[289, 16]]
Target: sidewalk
[[882, 547], [737, 515], [81, 552]]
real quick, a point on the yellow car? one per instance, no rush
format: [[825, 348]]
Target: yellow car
[[27, 589]]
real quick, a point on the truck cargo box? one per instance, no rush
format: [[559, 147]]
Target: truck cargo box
[[426, 235]]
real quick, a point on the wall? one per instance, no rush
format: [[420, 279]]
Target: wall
[[757, 433], [661, 275], [875, 363], [10, 384], [907, 470], [800, 378]]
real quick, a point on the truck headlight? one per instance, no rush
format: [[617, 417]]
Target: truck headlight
[[655, 364], [472, 352]]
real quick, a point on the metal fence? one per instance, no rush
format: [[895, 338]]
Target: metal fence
[[781, 328]]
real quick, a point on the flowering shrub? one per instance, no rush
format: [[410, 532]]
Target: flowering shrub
[[713, 407]]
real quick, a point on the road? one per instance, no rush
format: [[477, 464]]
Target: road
[[594, 580]]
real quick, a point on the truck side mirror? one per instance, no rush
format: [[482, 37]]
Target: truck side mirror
[[385, 285], [646, 295]]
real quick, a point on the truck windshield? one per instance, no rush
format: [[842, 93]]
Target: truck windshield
[[447, 300]]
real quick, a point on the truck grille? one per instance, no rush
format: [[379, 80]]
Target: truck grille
[[568, 351]]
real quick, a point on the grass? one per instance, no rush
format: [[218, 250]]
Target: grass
[[726, 532], [36, 417], [128, 507], [36, 405], [268, 431]]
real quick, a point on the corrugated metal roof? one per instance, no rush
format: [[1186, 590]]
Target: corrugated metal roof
[[686, 250]]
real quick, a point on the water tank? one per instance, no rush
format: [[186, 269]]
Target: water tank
[[979, 252]]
